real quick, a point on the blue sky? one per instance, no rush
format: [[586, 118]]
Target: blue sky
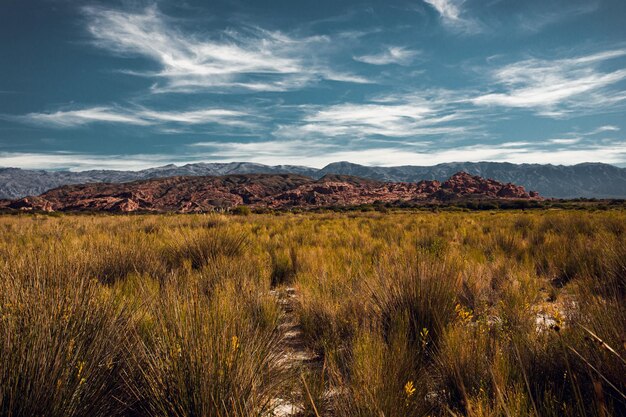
[[135, 84]]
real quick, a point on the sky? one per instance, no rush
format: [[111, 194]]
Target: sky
[[137, 84]]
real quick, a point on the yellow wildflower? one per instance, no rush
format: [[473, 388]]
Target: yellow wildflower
[[424, 337], [466, 315], [409, 389], [80, 367], [235, 343]]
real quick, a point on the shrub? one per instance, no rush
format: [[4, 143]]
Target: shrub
[[200, 248], [203, 355], [63, 343], [241, 210], [284, 263]]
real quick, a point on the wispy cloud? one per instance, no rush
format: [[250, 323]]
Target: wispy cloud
[[274, 150], [400, 116], [74, 161], [586, 138], [564, 141], [448, 9], [391, 55], [137, 116], [602, 129], [534, 19], [452, 16], [257, 60], [72, 118], [556, 87], [223, 117], [319, 154]]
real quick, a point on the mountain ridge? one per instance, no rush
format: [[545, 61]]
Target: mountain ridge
[[586, 180]]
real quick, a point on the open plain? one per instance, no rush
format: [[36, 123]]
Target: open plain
[[402, 313]]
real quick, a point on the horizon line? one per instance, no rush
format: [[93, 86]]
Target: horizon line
[[184, 164]]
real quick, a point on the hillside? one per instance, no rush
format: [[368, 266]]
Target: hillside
[[589, 180], [201, 194]]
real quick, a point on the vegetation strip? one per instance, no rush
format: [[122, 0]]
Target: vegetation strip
[[406, 313]]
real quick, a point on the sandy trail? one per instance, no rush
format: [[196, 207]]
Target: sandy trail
[[294, 352]]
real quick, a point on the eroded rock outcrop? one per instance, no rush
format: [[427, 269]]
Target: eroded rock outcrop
[[29, 204], [201, 194]]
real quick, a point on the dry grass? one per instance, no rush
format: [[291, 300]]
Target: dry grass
[[413, 314]]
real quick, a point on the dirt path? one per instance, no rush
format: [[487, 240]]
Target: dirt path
[[294, 354]]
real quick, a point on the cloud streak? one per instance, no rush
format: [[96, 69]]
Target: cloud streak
[[258, 60], [451, 14], [389, 116], [138, 116], [318, 154], [533, 20], [391, 55], [556, 87], [82, 161]]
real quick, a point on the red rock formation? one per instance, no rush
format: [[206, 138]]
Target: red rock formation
[[201, 194], [465, 184], [30, 204]]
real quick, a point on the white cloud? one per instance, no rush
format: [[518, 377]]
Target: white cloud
[[448, 9], [316, 154], [518, 144], [392, 55], [536, 17], [203, 116], [261, 60], [613, 153], [565, 141], [556, 87], [451, 14], [275, 150], [81, 117], [570, 149], [81, 162], [137, 116], [389, 116], [602, 129]]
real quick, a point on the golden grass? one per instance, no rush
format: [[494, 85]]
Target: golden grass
[[413, 313]]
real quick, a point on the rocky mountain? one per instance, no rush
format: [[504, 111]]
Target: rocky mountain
[[17, 183], [590, 180], [202, 193]]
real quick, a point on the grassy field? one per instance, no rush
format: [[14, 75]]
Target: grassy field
[[414, 313]]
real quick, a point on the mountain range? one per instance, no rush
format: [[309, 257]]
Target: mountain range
[[197, 194], [588, 180]]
